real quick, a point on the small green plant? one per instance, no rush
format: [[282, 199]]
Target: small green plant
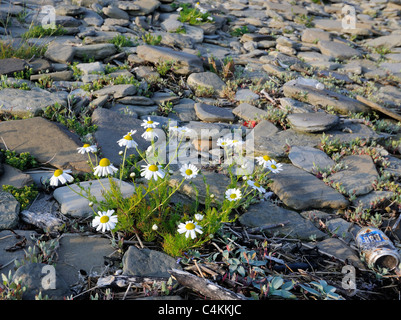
[[163, 67], [122, 41], [24, 195], [39, 32], [306, 20], [194, 16], [240, 31], [81, 125], [23, 74], [12, 289], [165, 108], [152, 40], [21, 51], [22, 161], [322, 290]]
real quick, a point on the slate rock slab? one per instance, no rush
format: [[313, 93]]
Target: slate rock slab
[[359, 175], [75, 205], [341, 251], [267, 213], [338, 50], [112, 126], [249, 112], [27, 103], [210, 113], [208, 80], [313, 122], [186, 63], [9, 240], [310, 159], [47, 141], [301, 190], [323, 98], [10, 65], [31, 276], [146, 262], [9, 211], [77, 252]]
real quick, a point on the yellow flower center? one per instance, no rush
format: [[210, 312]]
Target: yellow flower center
[[86, 145], [149, 122], [233, 196], [104, 162], [190, 226], [149, 129], [266, 158], [257, 185], [153, 168], [273, 166], [235, 141], [128, 137], [188, 172], [58, 172], [104, 219]]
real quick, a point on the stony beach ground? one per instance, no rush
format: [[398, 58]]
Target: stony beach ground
[[312, 87]]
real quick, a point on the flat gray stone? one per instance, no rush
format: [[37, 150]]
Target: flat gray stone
[[9, 211], [14, 177], [310, 159], [313, 35], [210, 113], [146, 262], [77, 252], [367, 200], [338, 50], [112, 126], [312, 122], [9, 240], [267, 213], [117, 91], [301, 190], [14, 101], [341, 251], [10, 65], [387, 41], [187, 63], [98, 51], [323, 98], [145, 7], [75, 205], [246, 95], [47, 141], [359, 175], [31, 276], [208, 80], [60, 53], [115, 12], [249, 112]]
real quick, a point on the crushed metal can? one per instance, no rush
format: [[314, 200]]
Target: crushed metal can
[[378, 249]]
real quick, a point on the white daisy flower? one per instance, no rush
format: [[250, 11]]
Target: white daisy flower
[[86, 148], [185, 131], [199, 19], [197, 5], [233, 194], [149, 134], [189, 228], [210, 18], [202, 10], [237, 143], [189, 171], [273, 166], [223, 142], [149, 123], [104, 168], [179, 9], [255, 185], [105, 221], [60, 176], [262, 161], [198, 217], [127, 141], [152, 171]]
